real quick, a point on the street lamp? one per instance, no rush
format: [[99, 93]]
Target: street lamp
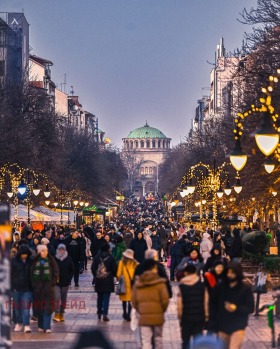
[[36, 190], [267, 138], [274, 193], [10, 192], [220, 192], [47, 202], [22, 188], [227, 188], [269, 165], [47, 192], [237, 187], [238, 158]]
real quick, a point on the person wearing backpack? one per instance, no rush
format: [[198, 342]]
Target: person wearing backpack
[[104, 270]]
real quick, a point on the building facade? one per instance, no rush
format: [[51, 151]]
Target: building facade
[[14, 46], [144, 149]]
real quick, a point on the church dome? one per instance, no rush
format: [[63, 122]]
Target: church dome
[[146, 132]]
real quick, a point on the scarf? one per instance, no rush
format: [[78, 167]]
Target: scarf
[[61, 255], [42, 270]]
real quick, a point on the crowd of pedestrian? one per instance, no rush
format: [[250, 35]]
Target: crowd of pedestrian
[[128, 256]]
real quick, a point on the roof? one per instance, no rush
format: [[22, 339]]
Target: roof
[[146, 132], [40, 60]]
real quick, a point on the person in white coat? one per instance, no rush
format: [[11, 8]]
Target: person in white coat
[[206, 246]]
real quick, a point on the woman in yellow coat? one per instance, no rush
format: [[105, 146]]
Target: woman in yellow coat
[[126, 268]]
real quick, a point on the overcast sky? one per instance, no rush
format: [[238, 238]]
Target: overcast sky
[[133, 60]]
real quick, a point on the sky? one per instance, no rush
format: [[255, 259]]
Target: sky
[[133, 60]]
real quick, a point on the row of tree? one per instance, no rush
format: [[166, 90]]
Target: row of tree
[[34, 136], [258, 59]]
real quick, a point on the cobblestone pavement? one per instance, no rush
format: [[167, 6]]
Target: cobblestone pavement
[[64, 335]]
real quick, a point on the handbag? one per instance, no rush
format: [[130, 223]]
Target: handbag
[[134, 320], [120, 289]]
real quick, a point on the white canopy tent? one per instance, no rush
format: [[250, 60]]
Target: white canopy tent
[[23, 215], [55, 216]]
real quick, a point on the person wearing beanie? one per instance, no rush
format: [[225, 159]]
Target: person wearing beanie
[[66, 272], [51, 249], [192, 305], [22, 288], [104, 269], [44, 275], [126, 269], [230, 305]]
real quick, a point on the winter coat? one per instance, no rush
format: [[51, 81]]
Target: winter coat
[[161, 273], [105, 284], [127, 270], [74, 248], [139, 246], [205, 248], [21, 274], [150, 299], [236, 248], [170, 243], [66, 271], [127, 239], [96, 245], [213, 258], [228, 322], [118, 251], [156, 243], [180, 248], [228, 241], [88, 244], [43, 291], [192, 301], [163, 235]]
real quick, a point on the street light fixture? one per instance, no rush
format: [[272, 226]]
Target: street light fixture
[[86, 204], [10, 192], [47, 202], [267, 138], [238, 158], [75, 202], [227, 188], [47, 192], [269, 165], [36, 190], [274, 193], [22, 188], [220, 192], [238, 187], [82, 203]]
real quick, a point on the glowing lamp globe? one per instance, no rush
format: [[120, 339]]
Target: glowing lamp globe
[[267, 138]]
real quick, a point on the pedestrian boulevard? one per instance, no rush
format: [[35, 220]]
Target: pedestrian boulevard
[[81, 315]]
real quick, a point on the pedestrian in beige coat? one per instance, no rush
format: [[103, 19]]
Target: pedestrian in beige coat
[[150, 298], [126, 268]]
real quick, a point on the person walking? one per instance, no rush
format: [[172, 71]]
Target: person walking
[[236, 248], [192, 305], [156, 243], [75, 249], [119, 248], [139, 246], [66, 272], [230, 306], [21, 287], [206, 246], [45, 274], [104, 269], [178, 252], [150, 299], [126, 268]]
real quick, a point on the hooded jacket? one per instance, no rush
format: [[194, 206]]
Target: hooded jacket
[[205, 246], [150, 298], [21, 271], [192, 301], [139, 246]]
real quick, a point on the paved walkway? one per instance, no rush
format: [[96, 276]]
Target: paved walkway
[[65, 334]]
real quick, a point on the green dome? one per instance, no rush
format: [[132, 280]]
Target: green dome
[[146, 132]]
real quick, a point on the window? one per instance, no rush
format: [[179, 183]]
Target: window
[[131, 145], [159, 144], [148, 144], [154, 144], [136, 144], [142, 170], [146, 170], [150, 170], [142, 144]]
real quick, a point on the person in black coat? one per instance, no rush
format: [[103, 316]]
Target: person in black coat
[[236, 248], [230, 306], [104, 270], [216, 255], [162, 233], [22, 288], [179, 250], [96, 244], [74, 248], [139, 246], [66, 271], [156, 243], [192, 303]]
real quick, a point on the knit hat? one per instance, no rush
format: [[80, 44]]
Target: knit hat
[[61, 247], [24, 249], [128, 254], [45, 241], [41, 248]]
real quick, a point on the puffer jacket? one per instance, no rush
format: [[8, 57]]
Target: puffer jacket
[[150, 298]]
